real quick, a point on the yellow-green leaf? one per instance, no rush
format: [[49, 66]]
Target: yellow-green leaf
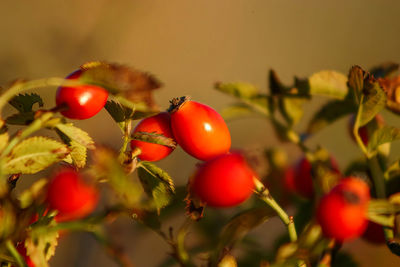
[[328, 83], [34, 154]]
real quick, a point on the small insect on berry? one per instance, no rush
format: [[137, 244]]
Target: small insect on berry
[[158, 124], [342, 212], [224, 181], [81, 101], [199, 129], [71, 196]]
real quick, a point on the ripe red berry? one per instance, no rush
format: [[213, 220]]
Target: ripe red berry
[[159, 124], [303, 181], [224, 181], [342, 212], [83, 101], [71, 196], [199, 129]]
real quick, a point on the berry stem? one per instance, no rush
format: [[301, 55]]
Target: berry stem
[[18, 258], [264, 195]]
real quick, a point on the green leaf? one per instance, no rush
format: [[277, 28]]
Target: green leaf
[[328, 83], [33, 155], [76, 134], [239, 89], [107, 168], [118, 112], [27, 197], [156, 183], [383, 207], [133, 85], [3, 141], [234, 111], [275, 84], [373, 101], [23, 118], [78, 154], [41, 244], [329, 113], [248, 94], [24, 102], [241, 224], [356, 81], [292, 109], [383, 135], [154, 138]]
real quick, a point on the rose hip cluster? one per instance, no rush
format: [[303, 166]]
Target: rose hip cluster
[[224, 179]]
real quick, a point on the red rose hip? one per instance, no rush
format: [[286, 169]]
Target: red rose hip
[[199, 129], [159, 124], [342, 212], [224, 181], [82, 101], [68, 193]]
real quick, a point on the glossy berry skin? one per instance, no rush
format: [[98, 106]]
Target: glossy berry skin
[[342, 212], [83, 101], [303, 181], [69, 194], [200, 130], [159, 124], [224, 181]]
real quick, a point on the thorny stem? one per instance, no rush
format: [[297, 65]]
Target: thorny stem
[[264, 195], [18, 258]]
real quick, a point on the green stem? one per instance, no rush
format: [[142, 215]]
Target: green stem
[[265, 196], [18, 258], [377, 177]]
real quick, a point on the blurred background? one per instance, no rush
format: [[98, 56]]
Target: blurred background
[[189, 45]]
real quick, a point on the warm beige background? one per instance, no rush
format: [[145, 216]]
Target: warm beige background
[[189, 45]]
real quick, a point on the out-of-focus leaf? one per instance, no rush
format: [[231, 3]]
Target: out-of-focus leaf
[[383, 135], [247, 94], [154, 138], [8, 220], [27, 197], [329, 113], [156, 183], [78, 154], [22, 118], [107, 168], [3, 140], [292, 109], [134, 85], [76, 134], [275, 84], [228, 261], [356, 81], [241, 224], [34, 154], [383, 207], [24, 102], [238, 110], [328, 83], [384, 70], [374, 100], [41, 244]]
